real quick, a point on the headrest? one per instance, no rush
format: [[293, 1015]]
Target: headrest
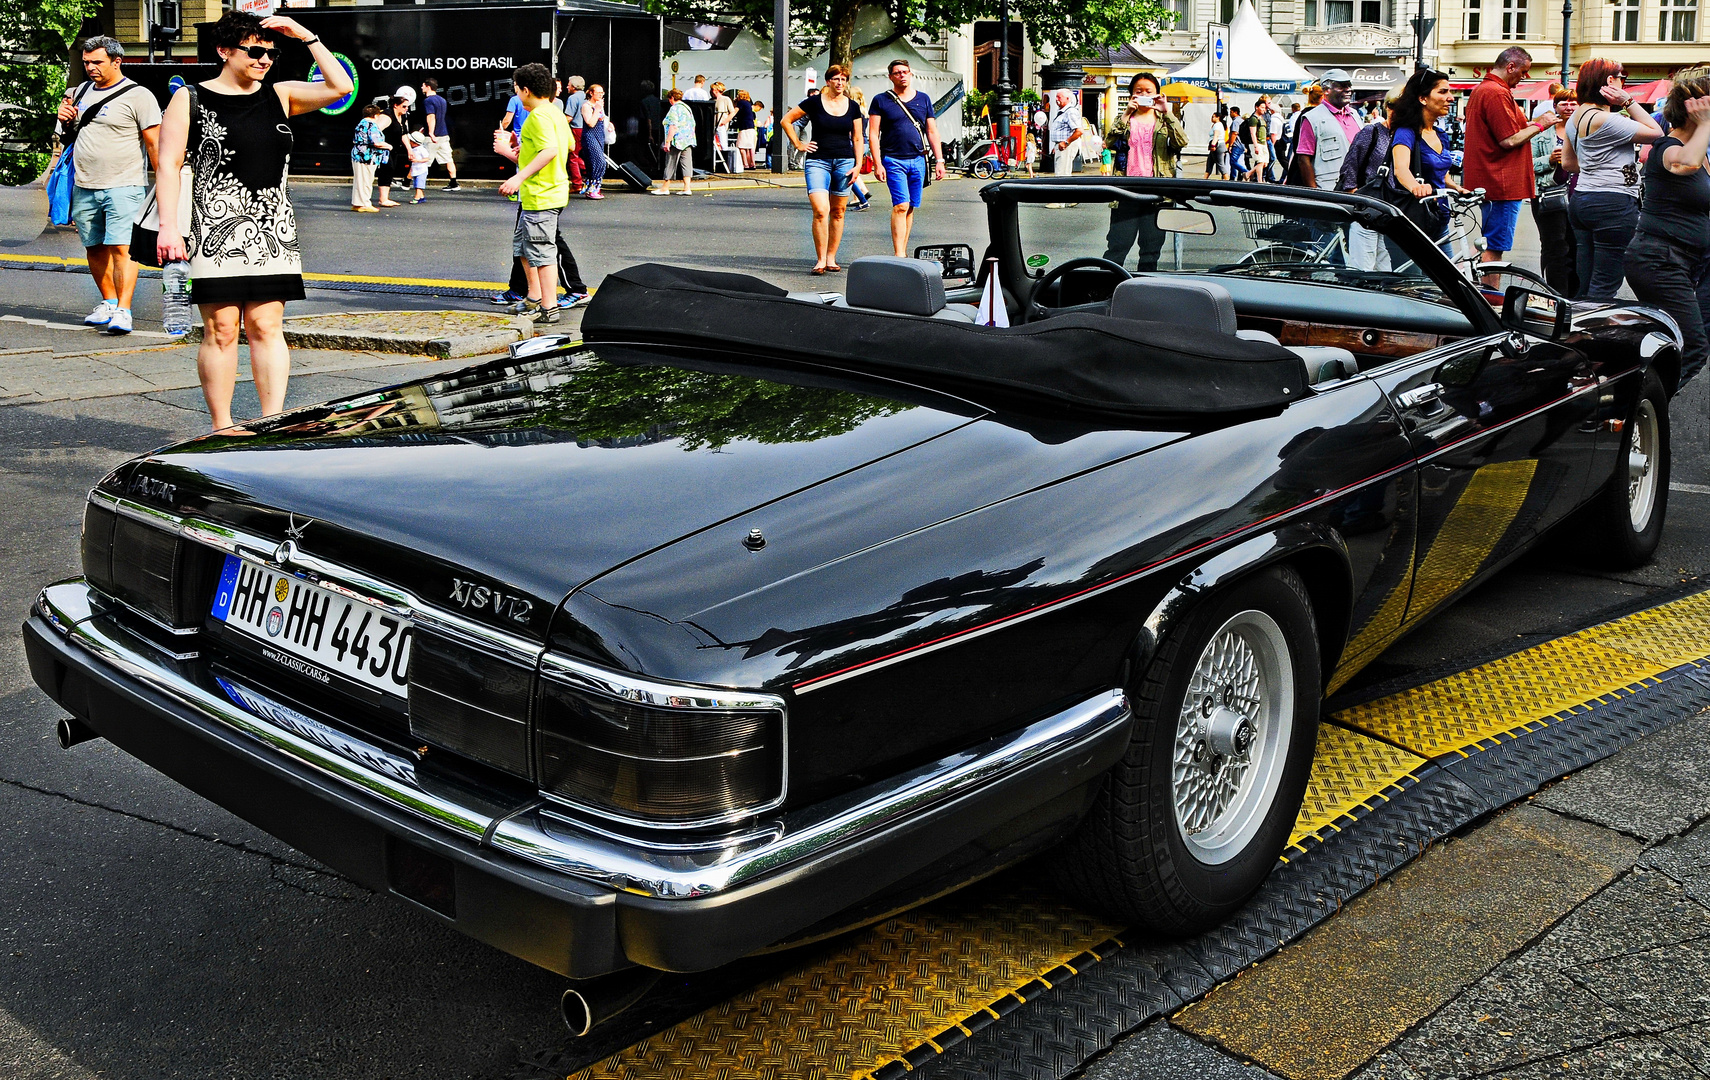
[[1184, 303], [889, 283]]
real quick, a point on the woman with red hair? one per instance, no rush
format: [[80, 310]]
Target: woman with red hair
[[1604, 206]]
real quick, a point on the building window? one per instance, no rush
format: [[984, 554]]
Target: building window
[[1312, 12], [1371, 11], [1337, 12], [1513, 19], [1625, 26], [1472, 7], [1179, 9], [1679, 21]]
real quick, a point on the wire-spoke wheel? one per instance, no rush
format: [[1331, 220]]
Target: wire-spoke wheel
[[1235, 723], [1622, 525], [1191, 821]]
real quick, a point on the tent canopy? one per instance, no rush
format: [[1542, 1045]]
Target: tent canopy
[[747, 65], [1255, 61]]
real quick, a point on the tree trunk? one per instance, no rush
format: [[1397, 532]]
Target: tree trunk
[[841, 31]]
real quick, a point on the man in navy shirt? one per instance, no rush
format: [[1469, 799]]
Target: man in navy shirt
[[439, 137], [900, 127]]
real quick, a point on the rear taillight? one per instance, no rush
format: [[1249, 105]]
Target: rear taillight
[[469, 701], [657, 753]]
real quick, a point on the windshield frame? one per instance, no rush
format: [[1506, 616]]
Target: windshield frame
[[1003, 196]]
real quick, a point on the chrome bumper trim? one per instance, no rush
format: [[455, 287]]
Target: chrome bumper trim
[[678, 868]]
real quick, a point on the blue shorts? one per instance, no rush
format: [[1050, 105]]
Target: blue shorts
[[905, 177], [104, 216], [1499, 221], [834, 175]]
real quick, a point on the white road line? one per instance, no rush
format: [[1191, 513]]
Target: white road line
[[86, 329], [1691, 489]]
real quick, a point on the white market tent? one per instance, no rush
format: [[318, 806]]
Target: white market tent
[[747, 65], [1256, 63]]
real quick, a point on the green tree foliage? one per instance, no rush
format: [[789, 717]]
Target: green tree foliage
[[34, 37], [1071, 27], [699, 409]]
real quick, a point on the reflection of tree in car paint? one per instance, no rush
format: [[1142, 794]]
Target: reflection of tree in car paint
[[699, 409]]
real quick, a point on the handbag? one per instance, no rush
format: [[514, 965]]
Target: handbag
[[62, 178], [1553, 199], [145, 231], [1428, 217]]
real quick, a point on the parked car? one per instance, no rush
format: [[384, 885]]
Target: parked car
[[754, 615]]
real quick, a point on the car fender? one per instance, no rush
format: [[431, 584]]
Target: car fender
[[1319, 553]]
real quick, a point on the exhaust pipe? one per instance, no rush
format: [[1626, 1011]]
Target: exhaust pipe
[[71, 731], [591, 1002]]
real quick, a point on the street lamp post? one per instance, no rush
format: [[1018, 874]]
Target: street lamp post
[[1003, 86], [1567, 37], [780, 82]]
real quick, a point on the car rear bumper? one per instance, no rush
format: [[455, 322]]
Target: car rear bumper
[[527, 878]]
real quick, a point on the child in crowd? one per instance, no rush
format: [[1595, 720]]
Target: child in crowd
[[420, 158]]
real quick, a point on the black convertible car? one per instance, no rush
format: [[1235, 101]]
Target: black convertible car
[[752, 616]]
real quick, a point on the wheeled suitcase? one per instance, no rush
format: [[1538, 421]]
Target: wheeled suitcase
[[636, 175]]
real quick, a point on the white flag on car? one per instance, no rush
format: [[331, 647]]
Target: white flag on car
[[992, 311]]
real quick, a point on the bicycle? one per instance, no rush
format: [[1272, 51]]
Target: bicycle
[[1463, 242], [1292, 241]]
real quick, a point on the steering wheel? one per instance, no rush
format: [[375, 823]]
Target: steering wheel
[[1035, 310]]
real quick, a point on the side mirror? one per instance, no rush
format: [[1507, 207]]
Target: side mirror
[[1176, 219], [1528, 311], [956, 261]]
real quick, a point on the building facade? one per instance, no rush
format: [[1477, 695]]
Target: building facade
[[1651, 37]]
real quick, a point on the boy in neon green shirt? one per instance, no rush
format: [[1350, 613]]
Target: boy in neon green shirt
[[544, 186]]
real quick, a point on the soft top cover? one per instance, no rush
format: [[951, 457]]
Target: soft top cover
[[1077, 362]]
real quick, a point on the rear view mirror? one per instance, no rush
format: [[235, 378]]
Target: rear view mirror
[[1532, 312], [1175, 219], [956, 261]]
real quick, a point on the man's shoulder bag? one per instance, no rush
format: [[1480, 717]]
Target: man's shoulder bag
[[63, 177], [925, 146]]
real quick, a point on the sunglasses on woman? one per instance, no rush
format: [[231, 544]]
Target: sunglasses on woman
[[256, 52]]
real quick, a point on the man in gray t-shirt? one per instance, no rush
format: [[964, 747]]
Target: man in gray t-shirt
[[116, 127]]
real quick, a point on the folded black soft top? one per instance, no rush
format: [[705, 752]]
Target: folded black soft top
[[1076, 362]]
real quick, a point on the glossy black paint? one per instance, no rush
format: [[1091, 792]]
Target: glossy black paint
[[935, 570]]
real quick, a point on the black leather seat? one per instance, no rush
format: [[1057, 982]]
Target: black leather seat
[[897, 287], [1208, 305]]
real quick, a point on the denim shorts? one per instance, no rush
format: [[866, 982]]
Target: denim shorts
[[1499, 221], [905, 177], [835, 175], [104, 216]]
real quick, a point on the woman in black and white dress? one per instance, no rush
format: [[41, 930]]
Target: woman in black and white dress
[[242, 237]]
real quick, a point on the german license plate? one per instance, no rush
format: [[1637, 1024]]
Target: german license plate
[[314, 631]]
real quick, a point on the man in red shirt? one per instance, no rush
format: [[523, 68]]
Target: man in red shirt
[[1498, 151]]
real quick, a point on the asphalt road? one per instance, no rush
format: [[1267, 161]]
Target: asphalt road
[[145, 933]]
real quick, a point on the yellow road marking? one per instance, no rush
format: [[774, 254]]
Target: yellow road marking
[[360, 279], [889, 991]]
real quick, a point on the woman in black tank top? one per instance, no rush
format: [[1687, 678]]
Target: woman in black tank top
[[1673, 237], [241, 239]]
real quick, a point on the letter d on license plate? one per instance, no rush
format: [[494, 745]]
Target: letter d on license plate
[[314, 631]]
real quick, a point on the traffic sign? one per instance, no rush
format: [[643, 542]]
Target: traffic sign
[[1217, 49]]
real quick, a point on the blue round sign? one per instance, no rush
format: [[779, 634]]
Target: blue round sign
[[347, 100], [1220, 47]]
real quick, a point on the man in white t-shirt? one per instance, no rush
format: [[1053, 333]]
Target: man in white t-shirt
[[115, 125]]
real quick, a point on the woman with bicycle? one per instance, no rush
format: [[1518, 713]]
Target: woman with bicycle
[[1604, 204], [1419, 156]]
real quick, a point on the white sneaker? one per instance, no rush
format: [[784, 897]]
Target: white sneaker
[[120, 323], [102, 315]]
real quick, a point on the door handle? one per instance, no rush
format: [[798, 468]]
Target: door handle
[[1419, 395]]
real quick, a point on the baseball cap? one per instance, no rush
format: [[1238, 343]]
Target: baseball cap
[[1336, 75]]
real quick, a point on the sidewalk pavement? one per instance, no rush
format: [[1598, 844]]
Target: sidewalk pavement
[[1568, 935], [43, 363]]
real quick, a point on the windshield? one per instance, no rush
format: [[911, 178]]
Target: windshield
[[1263, 239]]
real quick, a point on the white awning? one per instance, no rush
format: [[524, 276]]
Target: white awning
[[1255, 61]]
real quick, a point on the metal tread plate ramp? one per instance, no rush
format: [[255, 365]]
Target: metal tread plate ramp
[[1017, 983]]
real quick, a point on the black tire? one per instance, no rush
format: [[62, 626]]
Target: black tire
[[982, 169], [1130, 857], [1607, 525]]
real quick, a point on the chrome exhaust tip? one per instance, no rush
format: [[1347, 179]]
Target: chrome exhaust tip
[[70, 731], [591, 1002]]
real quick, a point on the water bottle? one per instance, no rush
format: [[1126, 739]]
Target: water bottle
[[175, 298]]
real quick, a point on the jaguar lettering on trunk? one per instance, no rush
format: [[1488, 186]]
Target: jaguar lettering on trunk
[[473, 597]]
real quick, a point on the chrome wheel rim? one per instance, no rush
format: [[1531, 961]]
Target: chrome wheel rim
[[1642, 444], [1232, 737]]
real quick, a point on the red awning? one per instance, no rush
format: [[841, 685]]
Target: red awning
[[1651, 92], [1531, 90]]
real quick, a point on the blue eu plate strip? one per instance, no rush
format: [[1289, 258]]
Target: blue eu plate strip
[[228, 585]]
